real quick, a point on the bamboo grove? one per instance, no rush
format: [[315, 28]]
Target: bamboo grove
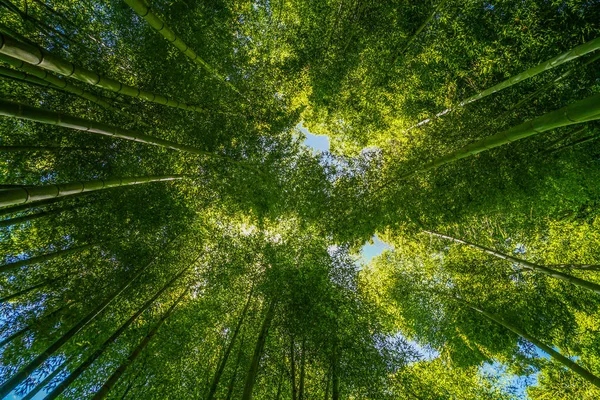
[[166, 233]]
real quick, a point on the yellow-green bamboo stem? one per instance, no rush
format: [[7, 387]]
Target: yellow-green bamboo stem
[[525, 264], [36, 56], [34, 193], [140, 7], [41, 77], [567, 362], [567, 56], [22, 111], [582, 111], [37, 204]]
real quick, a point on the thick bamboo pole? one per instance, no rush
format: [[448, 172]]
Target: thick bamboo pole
[[38, 76], [582, 111], [36, 56], [140, 7], [524, 263], [33, 193]]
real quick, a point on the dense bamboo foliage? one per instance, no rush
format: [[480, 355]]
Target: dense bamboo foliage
[[167, 231]]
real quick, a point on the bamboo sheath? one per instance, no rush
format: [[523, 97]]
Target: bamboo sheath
[[34, 193], [22, 111], [159, 26], [582, 111], [35, 56]]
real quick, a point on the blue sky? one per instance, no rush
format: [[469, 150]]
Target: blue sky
[[317, 143]]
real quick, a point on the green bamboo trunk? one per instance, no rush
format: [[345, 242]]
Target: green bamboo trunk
[[22, 111], [36, 56], [33, 193], [31, 217], [140, 7], [113, 379], [28, 369], [25, 291], [567, 362], [582, 111], [258, 350], [92, 357], [215, 382], [47, 379], [526, 264], [27, 328], [37, 204], [46, 257], [41, 77], [567, 56]]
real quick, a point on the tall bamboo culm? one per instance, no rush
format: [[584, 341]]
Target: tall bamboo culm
[[33, 193], [36, 56], [140, 7]]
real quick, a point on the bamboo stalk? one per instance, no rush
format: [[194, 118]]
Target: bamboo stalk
[[140, 8], [46, 257], [16, 379], [560, 59], [112, 380], [582, 111], [34, 193], [41, 77], [36, 56], [92, 357], [524, 263], [22, 111], [31, 217], [567, 362], [41, 203], [48, 149]]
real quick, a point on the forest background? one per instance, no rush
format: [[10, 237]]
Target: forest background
[[165, 232]]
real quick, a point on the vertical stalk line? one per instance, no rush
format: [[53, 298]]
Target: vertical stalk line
[[113, 379], [28, 369], [159, 26], [92, 357], [36, 56]]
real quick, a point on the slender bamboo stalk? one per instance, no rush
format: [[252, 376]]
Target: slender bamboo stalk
[[302, 370], [16, 379], [33, 193], [258, 349], [42, 77], [140, 7], [573, 366], [219, 372], [585, 139], [582, 111], [32, 217], [46, 257], [587, 267], [417, 33], [29, 289], [36, 56], [27, 328], [92, 357], [112, 380], [238, 360], [335, 377], [293, 368], [47, 379], [567, 56], [22, 111], [524, 263]]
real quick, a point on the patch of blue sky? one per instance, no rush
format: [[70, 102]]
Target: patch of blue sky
[[315, 142], [371, 250], [514, 384]]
